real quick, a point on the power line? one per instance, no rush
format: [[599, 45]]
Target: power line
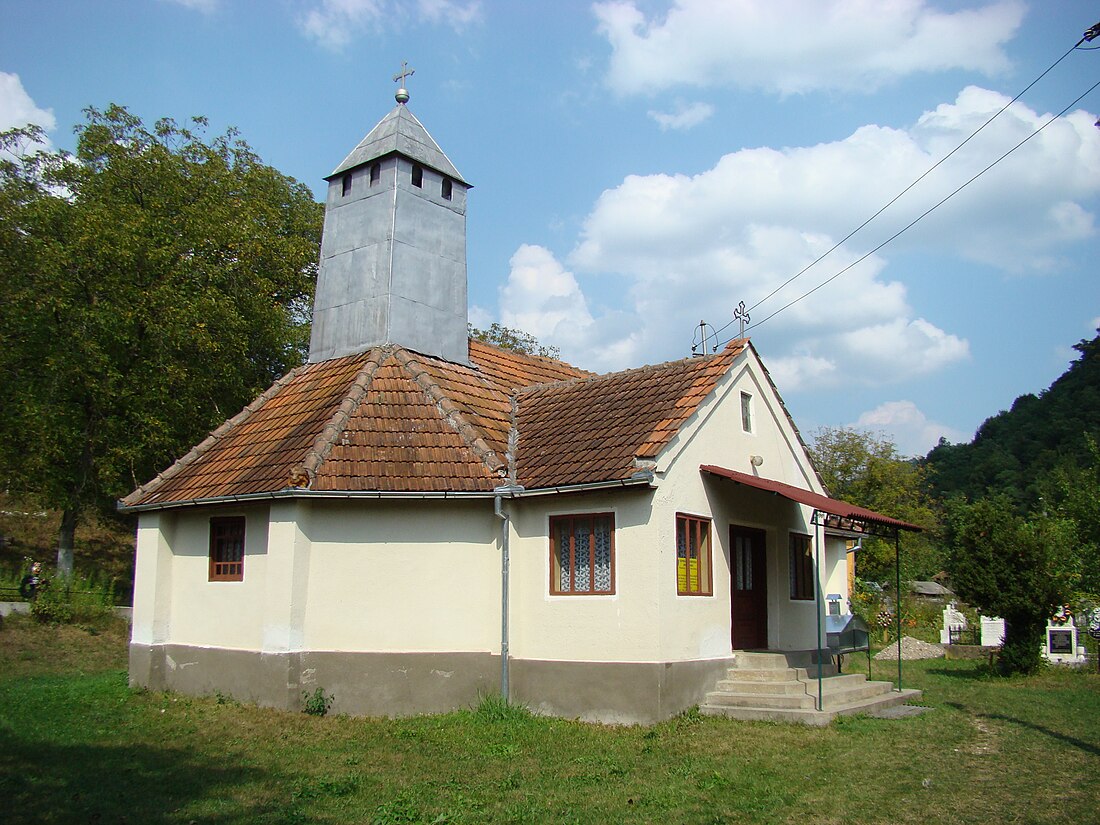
[[1088, 36], [924, 214]]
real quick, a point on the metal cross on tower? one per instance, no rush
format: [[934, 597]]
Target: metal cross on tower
[[402, 95], [741, 315]]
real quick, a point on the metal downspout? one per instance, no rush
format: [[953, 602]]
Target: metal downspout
[[817, 602], [505, 531]]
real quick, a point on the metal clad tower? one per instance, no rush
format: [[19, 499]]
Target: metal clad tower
[[393, 250]]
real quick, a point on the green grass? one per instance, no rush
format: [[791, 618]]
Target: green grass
[[77, 745]]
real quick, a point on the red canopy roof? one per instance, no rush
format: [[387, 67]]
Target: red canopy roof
[[832, 506]]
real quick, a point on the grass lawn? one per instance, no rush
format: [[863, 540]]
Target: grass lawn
[[77, 745]]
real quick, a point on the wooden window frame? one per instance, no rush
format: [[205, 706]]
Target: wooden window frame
[[748, 425], [555, 568], [697, 527], [800, 560], [223, 530]]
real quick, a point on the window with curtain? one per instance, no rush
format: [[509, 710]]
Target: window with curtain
[[227, 549], [582, 554]]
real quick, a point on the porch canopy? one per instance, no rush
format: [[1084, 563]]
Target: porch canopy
[[832, 513], [837, 515]]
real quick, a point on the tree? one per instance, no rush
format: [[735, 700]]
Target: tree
[[149, 286], [1016, 568], [1074, 492], [1014, 451], [864, 469], [513, 339]]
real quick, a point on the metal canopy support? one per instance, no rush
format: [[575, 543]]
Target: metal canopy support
[[897, 596], [821, 518], [819, 542]]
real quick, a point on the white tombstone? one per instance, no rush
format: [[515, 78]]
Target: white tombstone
[[1060, 644], [953, 619], [993, 631]]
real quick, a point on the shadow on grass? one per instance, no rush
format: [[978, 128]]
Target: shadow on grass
[[978, 673], [1080, 744], [46, 782]]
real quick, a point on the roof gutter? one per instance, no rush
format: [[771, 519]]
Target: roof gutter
[[640, 479]]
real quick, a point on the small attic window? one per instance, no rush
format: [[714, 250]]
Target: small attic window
[[418, 175], [375, 173], [746, 412], [446, 190], [345, 184]]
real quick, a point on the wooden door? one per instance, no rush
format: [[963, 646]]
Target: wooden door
[[748, 589]]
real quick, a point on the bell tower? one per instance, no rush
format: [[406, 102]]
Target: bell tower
[[393, 248]]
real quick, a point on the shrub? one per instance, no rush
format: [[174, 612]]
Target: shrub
[[82, 599], [317, 703]]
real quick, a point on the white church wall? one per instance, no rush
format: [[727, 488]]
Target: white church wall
[[404, 577]]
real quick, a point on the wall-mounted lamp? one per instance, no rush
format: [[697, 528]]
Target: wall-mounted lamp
[[756, 460]]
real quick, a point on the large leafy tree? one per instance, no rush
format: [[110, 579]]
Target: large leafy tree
[[863, 468], [150, 286], [1020, 569]]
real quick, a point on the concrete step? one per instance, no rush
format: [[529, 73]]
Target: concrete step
[[810, 716], [773, 686], [728, 698]]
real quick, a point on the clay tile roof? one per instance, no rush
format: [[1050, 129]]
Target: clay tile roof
[[513, 371], [390, 420], [593, 429]]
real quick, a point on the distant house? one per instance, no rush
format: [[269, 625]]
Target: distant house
[[413, 519]]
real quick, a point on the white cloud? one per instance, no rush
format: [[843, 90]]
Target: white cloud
[[909, 428], [544, 299], [335, 23], [18, 109], [684, 116], [681, 247], [795, 46]]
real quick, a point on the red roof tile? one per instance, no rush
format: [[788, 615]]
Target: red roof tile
[[592, 429], [390, 420]]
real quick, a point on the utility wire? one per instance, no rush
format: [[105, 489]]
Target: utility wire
[[924, 214], [927, 172]]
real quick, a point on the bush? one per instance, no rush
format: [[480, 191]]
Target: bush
[[317, 703], [82, 599]]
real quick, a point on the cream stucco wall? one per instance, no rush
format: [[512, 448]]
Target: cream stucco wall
[[407, 576], [382, 576]]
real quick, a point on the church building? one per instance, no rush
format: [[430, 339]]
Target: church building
[[414, 519]]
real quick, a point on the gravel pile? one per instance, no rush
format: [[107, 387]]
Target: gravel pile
[[910, 649]]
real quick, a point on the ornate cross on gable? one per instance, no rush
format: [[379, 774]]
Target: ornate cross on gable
[[741, 315]]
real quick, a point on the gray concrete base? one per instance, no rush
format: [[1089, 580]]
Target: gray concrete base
[[614, 692], [405, 684]]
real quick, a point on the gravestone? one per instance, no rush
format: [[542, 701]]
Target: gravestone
[[1061, 639], [953, 620]]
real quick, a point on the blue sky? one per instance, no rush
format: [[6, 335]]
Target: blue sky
[[641, 165]]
